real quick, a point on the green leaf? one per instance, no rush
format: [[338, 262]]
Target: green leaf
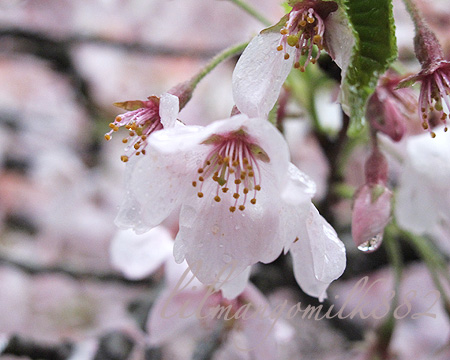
[[374, 50]]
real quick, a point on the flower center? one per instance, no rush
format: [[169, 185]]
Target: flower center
[[303, 30], [140, 123], [435, 89], [233, 165]]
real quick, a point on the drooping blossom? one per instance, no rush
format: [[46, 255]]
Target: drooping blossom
[[434, 93], [297, 40], [232, 180], [372, 204], [142, 119], [434, 75]]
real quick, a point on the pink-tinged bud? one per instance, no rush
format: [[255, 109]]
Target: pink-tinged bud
[[371, 214]]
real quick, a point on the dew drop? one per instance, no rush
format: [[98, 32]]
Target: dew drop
[[215, 229], [226, 258], [372, 244], [221, 246]]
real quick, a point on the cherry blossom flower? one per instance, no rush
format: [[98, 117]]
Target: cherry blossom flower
[[231, 179], [267, 61], [434, 75], [142, 119]]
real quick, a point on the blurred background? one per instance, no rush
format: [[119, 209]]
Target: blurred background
[[62, 65]]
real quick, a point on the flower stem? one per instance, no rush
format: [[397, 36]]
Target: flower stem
[[251, 11], [216, 60]]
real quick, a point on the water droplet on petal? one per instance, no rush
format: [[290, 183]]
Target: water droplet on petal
[[226, 258], [221, 246], [215, 229], [372, 244]]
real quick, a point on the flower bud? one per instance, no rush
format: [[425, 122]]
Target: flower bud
[[371, 213]]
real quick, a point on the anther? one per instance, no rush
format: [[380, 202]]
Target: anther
[[200, 170], [241, 207], [286, 56], [245, 190], [201, 178], [280, 47], [194, 183], [237, 181], [257, 187], [124, 140], [224, 189], [283, 31], [124, 158], [232, 208], [217, 198], [200, 194], [236, 195], [107, 137], [253, 201], [433, 134]]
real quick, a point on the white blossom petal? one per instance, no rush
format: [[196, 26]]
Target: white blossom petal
[[339, 39], [234, 288], [259, 75], [210, 233], [318, 256], [153, 190], [140, 255], [168, 109]]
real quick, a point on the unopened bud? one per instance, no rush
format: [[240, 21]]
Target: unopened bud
[[371, 214]]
